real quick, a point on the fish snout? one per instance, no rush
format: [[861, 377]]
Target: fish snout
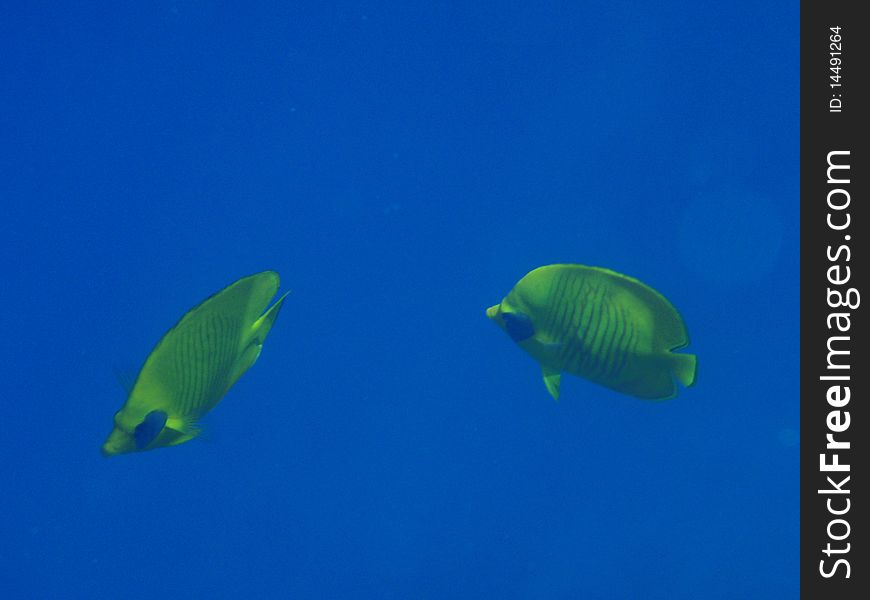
[[492, 311], [118, 442]]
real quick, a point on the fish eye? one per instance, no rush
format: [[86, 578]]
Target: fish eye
[[150, 427], [518, 325]]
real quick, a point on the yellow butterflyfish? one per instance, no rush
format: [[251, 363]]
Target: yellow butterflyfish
[[194, 365], [600, 325]]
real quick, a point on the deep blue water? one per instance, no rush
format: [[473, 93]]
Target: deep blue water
[[401, 165]]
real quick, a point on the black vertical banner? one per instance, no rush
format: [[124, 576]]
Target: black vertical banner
[[835, 371]]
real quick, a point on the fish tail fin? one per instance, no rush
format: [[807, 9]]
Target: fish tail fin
[[685, 368], [263, 325]]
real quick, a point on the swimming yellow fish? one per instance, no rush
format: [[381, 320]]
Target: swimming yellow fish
[[598, 324], [194, 365]]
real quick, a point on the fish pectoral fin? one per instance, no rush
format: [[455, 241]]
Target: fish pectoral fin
[[186, 426], [553, 380], [552, 348], [546, 351]]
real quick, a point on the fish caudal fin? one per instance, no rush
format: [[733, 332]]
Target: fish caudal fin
[[684, 368]]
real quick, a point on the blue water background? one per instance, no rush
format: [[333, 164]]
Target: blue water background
[[401, 165]]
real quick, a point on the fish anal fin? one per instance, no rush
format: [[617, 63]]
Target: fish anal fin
[[553, 381]]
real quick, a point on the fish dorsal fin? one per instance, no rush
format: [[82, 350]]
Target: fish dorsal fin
[[553, 380], [245, 299], [263, 325], [260, 289], [259, 330]]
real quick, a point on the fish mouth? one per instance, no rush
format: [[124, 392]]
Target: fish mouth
[[110, 448], [118, 442], [492, 311]]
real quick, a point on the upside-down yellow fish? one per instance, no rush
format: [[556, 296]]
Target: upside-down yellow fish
[[194, 365], [598, 324]]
